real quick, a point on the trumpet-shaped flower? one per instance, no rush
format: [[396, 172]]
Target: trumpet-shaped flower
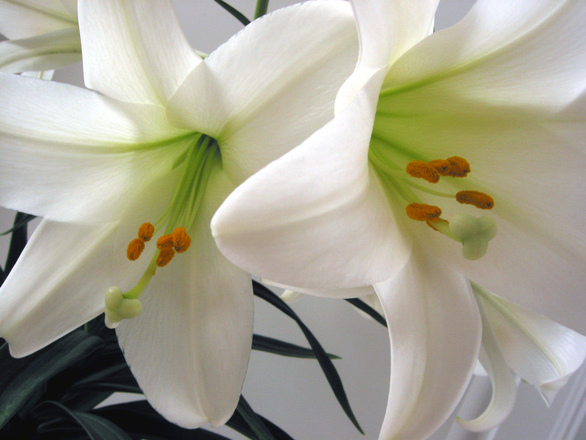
[[128, 174], [453, 156], [43, 35]]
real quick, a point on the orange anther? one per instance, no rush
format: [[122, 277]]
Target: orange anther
[[181, 241], [417, 168], [422, 212], [459, 167], [442, 166], [165, 242], [135, 248], [476, 198], [146, 231], [165, 256]]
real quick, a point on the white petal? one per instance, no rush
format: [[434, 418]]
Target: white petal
[[317, 218], [352, 292], [497, 90], [272, 85], [81, 159], [435, 333], [134, 50], [58, 284], [197, 319], [386, 30], [46, 52], [28, 18], [541, 351], [504, 386]]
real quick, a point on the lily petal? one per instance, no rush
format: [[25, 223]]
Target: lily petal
[[42, 301], [386, 30], [109, 151], [260, 95], [29, 18], [541, 351], [504, 386], [197, 317], [134, 50], [524, 143], [435, 332], [334, 217], [45, 52]]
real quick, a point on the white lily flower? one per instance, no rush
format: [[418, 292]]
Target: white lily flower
[[500, 93], [97, 164], [43, 35]]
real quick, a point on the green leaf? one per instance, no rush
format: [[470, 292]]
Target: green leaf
[[253, 420], [97, 428], [361, 305], [282, 348], [234, 12], [21, 378], [20, 221], [140, 420], [18, 240], [324, 361]]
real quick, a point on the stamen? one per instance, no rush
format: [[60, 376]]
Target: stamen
[[459, 167], [165, 242], [181, 241], [442, 166], [422, 170], [146, 231], [165, 257], [476, 198], [422, 212], [135, 248]]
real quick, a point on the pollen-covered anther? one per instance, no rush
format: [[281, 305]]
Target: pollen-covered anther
[[476, 198], [165, 257], [459, 167], [423, 213], [422, 170], [442, 166], [134, 249], [146, 231], [181, 240], [165, 242]]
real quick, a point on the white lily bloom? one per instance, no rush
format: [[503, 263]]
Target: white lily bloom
[[97, 164], [500, 93], [43, 35]]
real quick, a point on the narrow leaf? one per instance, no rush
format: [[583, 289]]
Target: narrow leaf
[[97, 428], [253, 420], [240, 425], [21, 378], [361, 305], [17, 241], [282, 348], [22, 221], [326, 364], [234, 12]]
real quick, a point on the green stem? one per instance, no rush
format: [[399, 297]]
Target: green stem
[[261, 8]]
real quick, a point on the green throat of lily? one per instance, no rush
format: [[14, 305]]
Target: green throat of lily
[[401, 183], [174, 223]]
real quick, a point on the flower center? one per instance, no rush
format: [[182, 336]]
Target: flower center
[[174, 223], [473, 233]]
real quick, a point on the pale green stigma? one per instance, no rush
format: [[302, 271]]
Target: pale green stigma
[[474, 233]]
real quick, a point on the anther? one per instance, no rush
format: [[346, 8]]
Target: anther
[[181, 241], [165, 256], [135, 248], [417, 168], [165, 242], [422, 212], [146, 231], [442, 166], [459, 167], [476, 198]]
